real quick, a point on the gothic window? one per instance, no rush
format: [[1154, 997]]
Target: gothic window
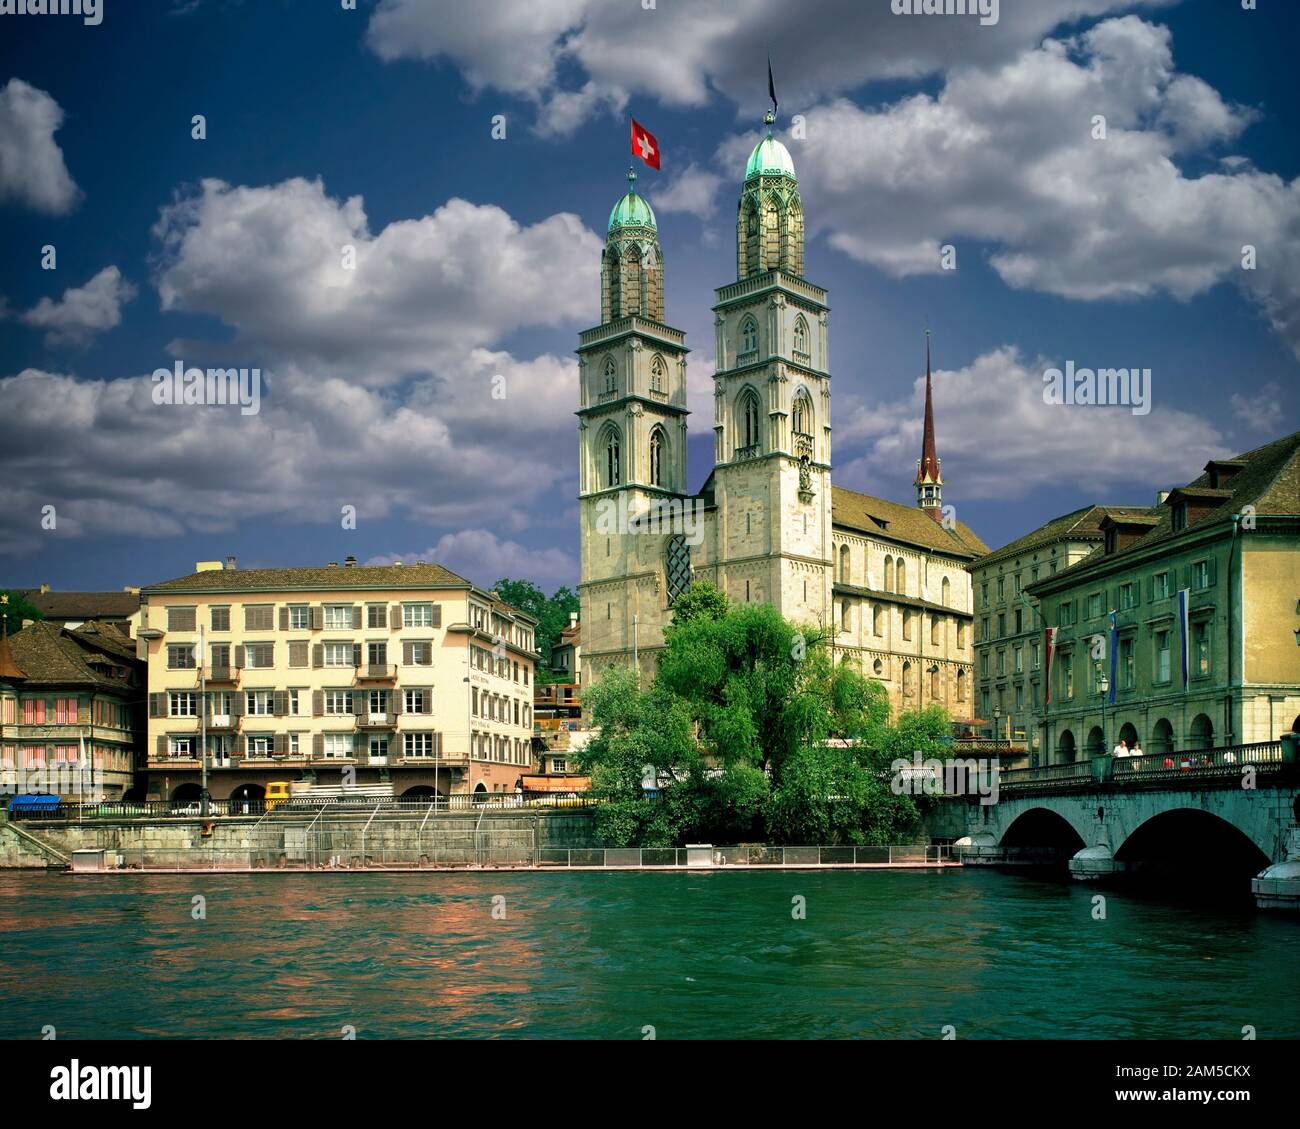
[[657, 374], [889, 574], [878, 620], [800, 335], [901, 577], [935, 629], [656, 457], [844, 564], [749, 335], [609, 374], [802, 413], [749, 418], [907, 680], [677, 566], [612, 452], [961, 686], [846, 617], [947, 592]]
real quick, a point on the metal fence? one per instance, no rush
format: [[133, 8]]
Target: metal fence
[[330, 850], [1190, 768]]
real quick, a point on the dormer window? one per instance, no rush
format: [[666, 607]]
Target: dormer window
[[1180, 516]]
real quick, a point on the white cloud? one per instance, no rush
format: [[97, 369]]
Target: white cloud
[[999, 440], [694, 190], [32, 171], [83, 311], [1260, 411], [479, 555], [679, 52], [269, 261]]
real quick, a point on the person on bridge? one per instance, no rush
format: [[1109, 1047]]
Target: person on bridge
[[1120, 750]]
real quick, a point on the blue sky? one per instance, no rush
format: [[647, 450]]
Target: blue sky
[[479, 257]]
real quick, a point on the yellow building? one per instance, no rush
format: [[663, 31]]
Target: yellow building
[[1183, 630], [403, 675]]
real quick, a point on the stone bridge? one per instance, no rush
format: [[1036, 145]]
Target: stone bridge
[[1232, 811]]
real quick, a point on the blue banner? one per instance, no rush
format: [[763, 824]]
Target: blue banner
[[1114, 659], [1183, 640]]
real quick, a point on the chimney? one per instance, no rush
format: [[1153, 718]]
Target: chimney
[[397, 564], [349, 561], [573, 619], [334, 564], [230, 563]]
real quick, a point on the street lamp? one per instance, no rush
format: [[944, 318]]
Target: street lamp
[[997, 730], [1103, 684]]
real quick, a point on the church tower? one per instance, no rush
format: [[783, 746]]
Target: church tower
[[632, 443], [929, 480], [771, 482]]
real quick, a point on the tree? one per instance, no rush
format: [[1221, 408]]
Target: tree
[[701, 599], [14, 608], [552, 613]]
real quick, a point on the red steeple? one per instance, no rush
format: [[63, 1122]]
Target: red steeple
[[929, 480]]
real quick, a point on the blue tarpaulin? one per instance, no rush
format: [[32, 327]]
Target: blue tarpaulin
[[34, 803]]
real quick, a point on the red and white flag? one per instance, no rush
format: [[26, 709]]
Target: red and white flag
[[644, 144]]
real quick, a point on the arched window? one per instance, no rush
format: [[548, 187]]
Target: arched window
[[947, 593], [846, 616], [749, 418], [609, 374], [961, 686], [844, 564], [657, 373], [749, 335], [802, 414], [613, 459], [801, 335], [878, 668], [889, 574], [900, 577], [907, 680], [935, 630], [878, 620], [656, 457], [935, 690]]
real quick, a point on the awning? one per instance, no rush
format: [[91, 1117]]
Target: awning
[[556, 784]]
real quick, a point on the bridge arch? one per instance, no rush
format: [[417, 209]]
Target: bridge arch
[[1044, 827], [1192, 844]]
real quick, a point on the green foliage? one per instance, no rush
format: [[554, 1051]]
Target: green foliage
[[551, 613], [751, 731], [16, 609], [701, 600]]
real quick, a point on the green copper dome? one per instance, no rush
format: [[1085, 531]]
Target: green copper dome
[[631, 209], [769, 158]]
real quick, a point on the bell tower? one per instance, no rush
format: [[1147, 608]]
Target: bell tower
[[632, 441], [929, 479], [772, 403]]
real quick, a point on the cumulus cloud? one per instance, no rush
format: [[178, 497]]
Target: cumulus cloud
[[1004, 441], [694, 191], [83, 311], [574, 58], [481, 556], [1260, 411], [270, 262], [32, 170]]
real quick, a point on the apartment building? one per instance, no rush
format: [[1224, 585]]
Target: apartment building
[[1183, 629], [400, 675], [1008, 625]]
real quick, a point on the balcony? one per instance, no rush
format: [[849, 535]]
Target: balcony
[[377, 672], [376, 720], [441, 760], [744, 453], [223, 723], [223, 675]]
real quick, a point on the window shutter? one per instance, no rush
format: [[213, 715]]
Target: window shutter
[[356, 649], [437, 744], [317, 618], [1151, 589], [1210, 571], [284, 619], [437, 615], [318, 744], [162, 744], [428, 699], [318, 704], [356, 616], [317, 655], [360, 745], [157, 705], [239, 658], [397, 616], [237, 704], [280, 743], [408, 650], [280, 703], [396, 697], [358, 701]]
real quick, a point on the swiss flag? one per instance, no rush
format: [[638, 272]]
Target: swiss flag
[[644, 144]]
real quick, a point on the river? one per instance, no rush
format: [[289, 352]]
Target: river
[[879, 954]]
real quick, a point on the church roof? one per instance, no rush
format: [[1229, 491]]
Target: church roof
[[908, 525], [769, 158]]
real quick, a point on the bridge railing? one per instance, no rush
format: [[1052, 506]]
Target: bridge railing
[[1186, 767]]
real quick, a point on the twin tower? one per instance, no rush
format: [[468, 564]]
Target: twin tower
[[760, 528]]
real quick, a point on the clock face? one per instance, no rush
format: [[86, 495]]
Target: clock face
[[677, 566]]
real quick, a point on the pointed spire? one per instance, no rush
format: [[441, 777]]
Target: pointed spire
[[631, 179], [929, 480]]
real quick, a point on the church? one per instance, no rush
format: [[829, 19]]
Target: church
[[891, 582]]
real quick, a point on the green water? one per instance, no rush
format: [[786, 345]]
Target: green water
[[880, 954]]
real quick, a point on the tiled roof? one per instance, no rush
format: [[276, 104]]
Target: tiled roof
[[897, 522], [82, 605], [285, 579], [1078, 525], [48, 653], [1269, 481]]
